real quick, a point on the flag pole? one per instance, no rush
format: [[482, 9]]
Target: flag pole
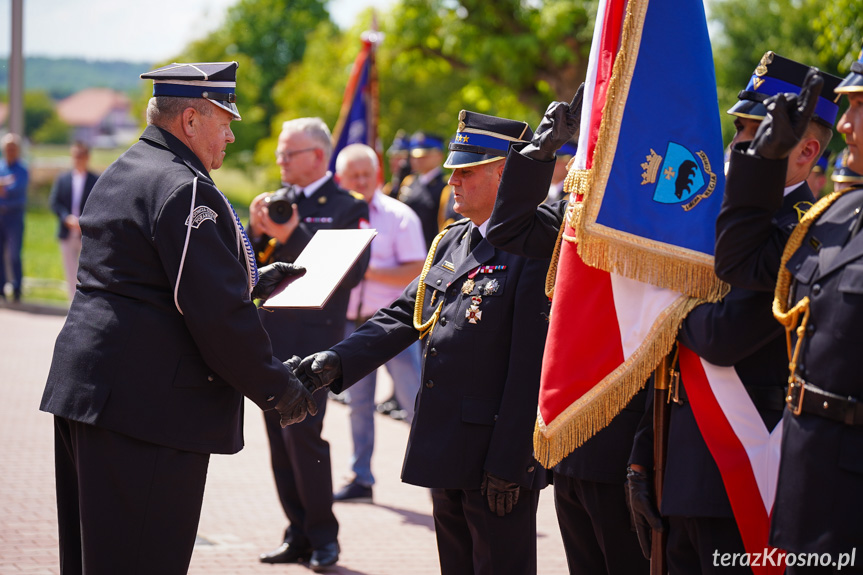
[[663, 377]]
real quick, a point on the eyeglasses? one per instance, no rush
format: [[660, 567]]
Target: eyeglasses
[[287, 155]]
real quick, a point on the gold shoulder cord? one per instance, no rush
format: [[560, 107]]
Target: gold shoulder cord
[[427, 327], [791, 317]]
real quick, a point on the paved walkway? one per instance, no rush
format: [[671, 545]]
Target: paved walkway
[[241, 515]]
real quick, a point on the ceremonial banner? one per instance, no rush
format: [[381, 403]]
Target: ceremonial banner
[[637, 243], [745, 451], [358, 118]]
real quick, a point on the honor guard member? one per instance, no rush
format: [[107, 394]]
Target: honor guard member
[[300, 456], [481, 314], [400, 166], [818, 299], [162, 339], [844, 177], [818, 176], [738, 332], [424, 188], [588, 484]]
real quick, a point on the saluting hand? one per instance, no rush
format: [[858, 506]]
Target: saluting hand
[[559, 125], [787, 118]]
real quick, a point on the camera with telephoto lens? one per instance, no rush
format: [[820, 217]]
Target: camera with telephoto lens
[[279, 205]]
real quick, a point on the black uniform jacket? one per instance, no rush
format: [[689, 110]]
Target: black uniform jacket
[[477, 403], [61, 198], [818, 503], [425, 200], [305, 331], [523, 225], [126, 358]]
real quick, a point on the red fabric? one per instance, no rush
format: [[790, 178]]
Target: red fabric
[[731, 458]]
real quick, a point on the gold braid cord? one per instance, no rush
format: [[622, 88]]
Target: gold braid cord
[[595, 409], [576, 184], [662, 265], [791, 318], [427, 327]]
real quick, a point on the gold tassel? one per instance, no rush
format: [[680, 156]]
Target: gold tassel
[[594, 410]]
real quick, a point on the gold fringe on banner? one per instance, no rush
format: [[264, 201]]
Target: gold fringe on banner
[[576, 184], [594, 410], [660, 264]]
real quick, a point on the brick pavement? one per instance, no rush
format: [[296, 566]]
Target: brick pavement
[[241, 516]]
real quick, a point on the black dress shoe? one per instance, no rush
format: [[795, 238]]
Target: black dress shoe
[[324, 557], [287, 553]]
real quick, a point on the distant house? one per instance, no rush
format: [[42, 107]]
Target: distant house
[[101, 117]]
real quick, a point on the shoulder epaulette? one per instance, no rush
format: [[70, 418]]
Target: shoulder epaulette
[[356, 195]]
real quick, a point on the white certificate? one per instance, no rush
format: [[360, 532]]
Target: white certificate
[[327, 257]]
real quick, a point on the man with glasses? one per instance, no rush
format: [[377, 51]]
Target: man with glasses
[[300, 456]]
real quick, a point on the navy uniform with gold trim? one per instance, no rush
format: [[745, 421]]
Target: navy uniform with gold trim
[[588, 484], [818, 504], [424, 188], [482, 315], [160, 344], [400, 166]]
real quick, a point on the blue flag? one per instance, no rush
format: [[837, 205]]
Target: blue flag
[[357, 122]]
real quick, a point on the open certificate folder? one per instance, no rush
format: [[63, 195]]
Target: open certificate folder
[[327, 258]]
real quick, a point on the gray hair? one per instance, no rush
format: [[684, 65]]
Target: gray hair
[[162, 110], [314, 128], [355, 152], [11, 138]]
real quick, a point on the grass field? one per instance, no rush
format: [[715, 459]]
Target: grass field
[[43, 269]]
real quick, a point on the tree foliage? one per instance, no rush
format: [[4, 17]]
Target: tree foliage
[[41, 123]]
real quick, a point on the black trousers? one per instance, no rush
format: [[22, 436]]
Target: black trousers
[[697, 544], [472, 540], [125, 505], [596, 529], [304, 479]]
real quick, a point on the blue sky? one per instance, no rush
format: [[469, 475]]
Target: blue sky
[[149, 31]]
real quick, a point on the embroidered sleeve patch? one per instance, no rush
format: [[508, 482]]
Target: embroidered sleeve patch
[[200, 215]]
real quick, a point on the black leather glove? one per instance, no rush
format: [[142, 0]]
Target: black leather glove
[[319, 369], [297, 401], [502, 495], [269, 278], [559, 125], [642, 508], [787, 117]]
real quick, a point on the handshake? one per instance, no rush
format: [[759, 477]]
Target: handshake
[[308, 375]]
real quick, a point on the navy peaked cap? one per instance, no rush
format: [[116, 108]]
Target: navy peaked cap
[[481, 139], [214, 81], [776, 74]]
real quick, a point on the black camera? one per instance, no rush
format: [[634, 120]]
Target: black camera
[[279, 205]]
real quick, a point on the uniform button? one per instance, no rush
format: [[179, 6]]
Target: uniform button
[[438, 282], [816, 289], [210, 377], [271, 398], [495, 417], [810, 329], [797, 266], [530, 469], [429, 384], [433, 352], [443, 320]]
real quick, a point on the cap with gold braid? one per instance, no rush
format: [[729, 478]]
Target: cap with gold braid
[[776, 74], [482, 139]]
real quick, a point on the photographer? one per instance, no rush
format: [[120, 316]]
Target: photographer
[[301, 457]]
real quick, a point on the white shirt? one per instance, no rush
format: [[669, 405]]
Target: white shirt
[[400, 240], [78, 180]]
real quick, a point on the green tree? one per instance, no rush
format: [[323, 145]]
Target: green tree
[[265, 37], [41, 123], [840, 31]]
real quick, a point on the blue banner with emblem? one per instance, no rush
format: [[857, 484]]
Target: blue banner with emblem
[[652, 195]]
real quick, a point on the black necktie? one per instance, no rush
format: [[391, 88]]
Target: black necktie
[[475, 238]]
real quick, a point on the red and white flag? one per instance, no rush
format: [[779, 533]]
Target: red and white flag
[[637, 249]]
